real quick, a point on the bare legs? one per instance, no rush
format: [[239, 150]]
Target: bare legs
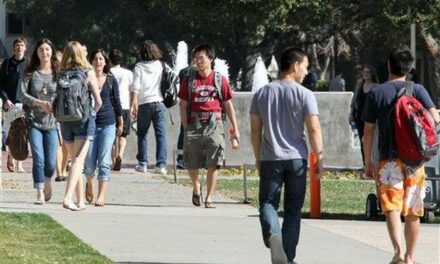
[[62, 158], [77, 151], [118, 150], [411, 231], [102, 189], [211, 181]]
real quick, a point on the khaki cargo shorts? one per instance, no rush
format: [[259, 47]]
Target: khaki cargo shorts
[[204, 146]]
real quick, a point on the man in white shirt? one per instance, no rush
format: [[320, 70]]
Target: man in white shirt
[[124, 78]]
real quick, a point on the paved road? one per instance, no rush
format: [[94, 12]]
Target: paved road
[[149, 220]]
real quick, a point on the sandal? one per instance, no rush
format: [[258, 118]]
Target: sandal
[[99, 204], [47, 197], [209, 205], [10, 164], [60, 178], [39, 202], [397, 261], [118, 162], [196, 199], [71, 206]]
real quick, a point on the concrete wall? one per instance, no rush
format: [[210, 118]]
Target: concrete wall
[[339, 149]]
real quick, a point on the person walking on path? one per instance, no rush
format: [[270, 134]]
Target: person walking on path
[[124, 78], [399, 191], [201, 106], [77, 135], [62, 154], [37, 92], [368, 81], [107, 118], [147, 106], [278, 112], [11, 71]]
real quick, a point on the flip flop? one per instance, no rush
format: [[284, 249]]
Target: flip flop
[[72, 207], [60, 178], [48, 197], [38, 202], [99, 204], [196, 199], [10, 164], [397, 261], [118, 162], [209, 205]]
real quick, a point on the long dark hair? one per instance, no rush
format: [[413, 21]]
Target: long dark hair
[[149, 51], [108, 64], [35, 61], [373, 73]]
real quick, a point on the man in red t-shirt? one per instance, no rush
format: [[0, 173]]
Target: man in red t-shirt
[[201, 108]]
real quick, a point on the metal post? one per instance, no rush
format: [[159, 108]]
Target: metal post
[[245, 184]]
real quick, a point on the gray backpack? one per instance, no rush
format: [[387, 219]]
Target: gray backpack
[[73, 102]]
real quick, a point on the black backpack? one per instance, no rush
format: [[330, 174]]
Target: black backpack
[[72, 103], [169, 86]]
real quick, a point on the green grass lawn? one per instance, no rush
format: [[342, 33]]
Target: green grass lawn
[[37, 238], [342, 198]]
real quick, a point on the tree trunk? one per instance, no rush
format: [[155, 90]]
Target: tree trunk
[[433, 67], [248, 52]]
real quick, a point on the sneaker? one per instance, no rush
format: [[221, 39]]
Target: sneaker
[[276, 250], [180, 165], [140, 168], [162, 170]]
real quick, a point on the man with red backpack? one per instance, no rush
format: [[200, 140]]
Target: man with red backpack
[[401, 186]]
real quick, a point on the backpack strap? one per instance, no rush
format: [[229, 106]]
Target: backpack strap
[[191, 77], [218, 86], [110, 78], [408, 89], [217, 90]]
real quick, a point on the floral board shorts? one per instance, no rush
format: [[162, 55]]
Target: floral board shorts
[[398, 190]]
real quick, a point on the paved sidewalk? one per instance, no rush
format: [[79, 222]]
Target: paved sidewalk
[[148, 220]]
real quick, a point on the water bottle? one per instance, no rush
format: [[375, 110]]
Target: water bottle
[[234, 141]]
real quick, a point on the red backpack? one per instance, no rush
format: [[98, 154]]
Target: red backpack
[[414, 129]]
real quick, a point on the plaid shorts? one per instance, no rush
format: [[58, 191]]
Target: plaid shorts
[[398, 190]]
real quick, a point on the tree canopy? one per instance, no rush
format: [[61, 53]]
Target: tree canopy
[[345, 33]]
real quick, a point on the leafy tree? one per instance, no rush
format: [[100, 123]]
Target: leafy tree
[[345, 32]]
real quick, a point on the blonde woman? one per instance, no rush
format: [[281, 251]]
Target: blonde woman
[[77, 135]]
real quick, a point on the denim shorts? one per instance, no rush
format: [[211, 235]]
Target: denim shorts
[[77, 130]]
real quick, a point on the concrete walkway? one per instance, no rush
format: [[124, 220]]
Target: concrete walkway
[[149, 220]]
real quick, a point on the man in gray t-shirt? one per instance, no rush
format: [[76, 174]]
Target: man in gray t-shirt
[[278, 112]]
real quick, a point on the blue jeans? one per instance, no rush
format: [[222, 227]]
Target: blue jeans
[[147, 113], [273, 174], [44, 145], [99, 154]]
